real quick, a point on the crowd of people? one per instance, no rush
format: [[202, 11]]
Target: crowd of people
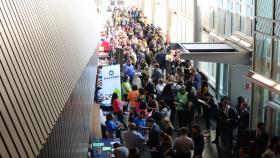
[[164, 94]]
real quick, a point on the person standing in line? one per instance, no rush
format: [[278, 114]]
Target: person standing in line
[[161, 58], [169, 98], [181, 102], [120, 151], [129, 70], [244, 116], [159, 87], [167, 126], [197, 78], [230, 119], [117, 108], [133, 139], [154, 133], [111, 126], [183, 144], [198, 139], [133, 96], [157, 73], [259, 140], [140, 122]]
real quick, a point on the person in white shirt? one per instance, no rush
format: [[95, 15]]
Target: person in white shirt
[[160, 86], [137, 81]]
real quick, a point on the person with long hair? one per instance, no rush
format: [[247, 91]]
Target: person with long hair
[[168, 96], [167, 126], [117, 108]]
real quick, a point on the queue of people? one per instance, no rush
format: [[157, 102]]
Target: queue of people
[[160, 89]]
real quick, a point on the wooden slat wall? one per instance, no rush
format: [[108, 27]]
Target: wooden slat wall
[[47, 76]]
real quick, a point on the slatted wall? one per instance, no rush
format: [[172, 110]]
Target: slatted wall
[[47, 76]]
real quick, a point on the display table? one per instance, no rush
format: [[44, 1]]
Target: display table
[[103, 147], [105, 105]]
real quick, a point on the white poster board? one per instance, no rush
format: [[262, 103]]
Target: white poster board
[[111, 80]]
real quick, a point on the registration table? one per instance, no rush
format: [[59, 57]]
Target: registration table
[[103, 147]]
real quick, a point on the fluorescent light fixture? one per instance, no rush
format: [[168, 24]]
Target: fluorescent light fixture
[[263, 80], [213, 34], [234, 38], [245, 43], [277, 87], [220, 38]]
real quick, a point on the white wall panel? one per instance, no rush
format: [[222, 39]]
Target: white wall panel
[[47, 76]]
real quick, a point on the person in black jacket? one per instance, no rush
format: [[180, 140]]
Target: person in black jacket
[[230, 119], [154, 133], [169, 98], [244, 116], [259, 140], [148, 86], [198, 140], [220, 115]]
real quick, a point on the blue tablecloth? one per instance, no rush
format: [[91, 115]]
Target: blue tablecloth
[[106, 143]]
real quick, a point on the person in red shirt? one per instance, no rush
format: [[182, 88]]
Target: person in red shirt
[[106, 46], [117, 108]]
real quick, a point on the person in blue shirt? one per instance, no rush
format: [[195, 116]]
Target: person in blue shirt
[[197, 79], [140, 122], [128, 70], [111, 126]]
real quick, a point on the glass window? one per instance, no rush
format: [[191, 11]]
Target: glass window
[[276, 67], [264, 26], [277, 129], [277, 11], [277, 29], [237, 8], [249, 11], [259, 102], [249, 26], [230, 6], [264, 8], [228, 28], [262, 57], [250, 2], [220, 3], [242, 23], [224, 81]]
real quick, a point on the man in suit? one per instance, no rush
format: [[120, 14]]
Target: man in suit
[[259, 140], [244, 116], [229, 122]]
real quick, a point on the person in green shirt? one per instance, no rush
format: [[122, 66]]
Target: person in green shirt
[[181, 101], [126, 87]]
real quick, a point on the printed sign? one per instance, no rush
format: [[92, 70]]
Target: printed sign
[[111, 80]]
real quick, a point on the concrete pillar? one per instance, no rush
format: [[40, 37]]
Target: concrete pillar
[[169, 21], [154, 9], [197, 26], [142, 5], [196, 22]]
